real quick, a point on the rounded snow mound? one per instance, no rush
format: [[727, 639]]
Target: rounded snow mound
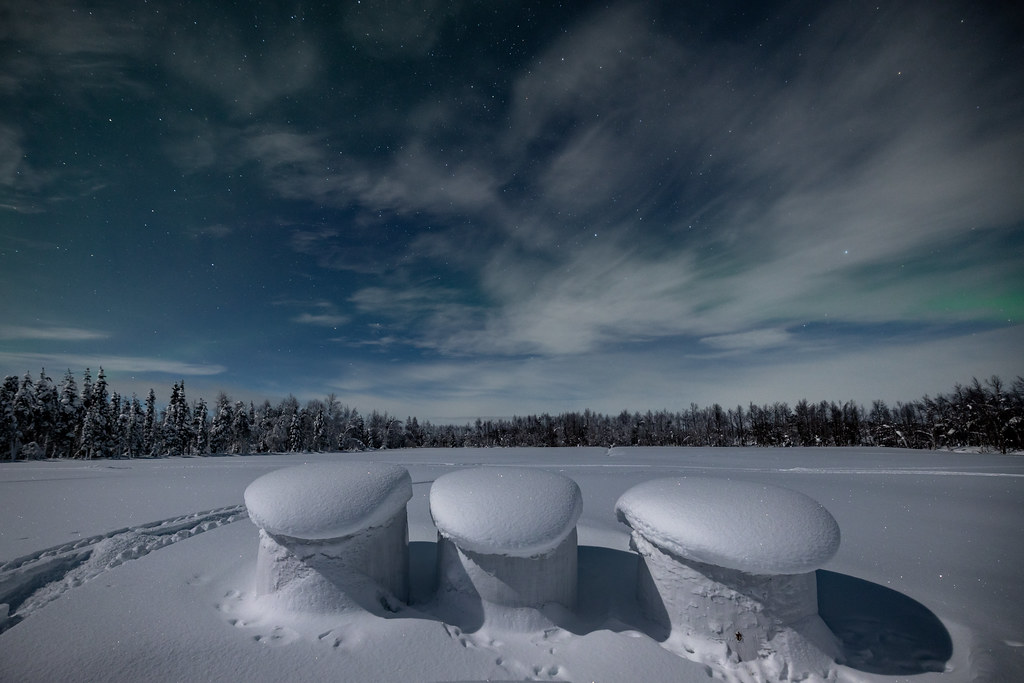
[[754, 528], [513, 511], [327, 500]]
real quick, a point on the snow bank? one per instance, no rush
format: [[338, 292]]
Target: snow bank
[[333, 537], [327, 500], [506, 541], [754, 528], [513, 511]]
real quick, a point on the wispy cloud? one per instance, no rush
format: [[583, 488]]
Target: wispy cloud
[[49, 333], [321, 319], [248, 77], [111, 363], [663, 378], [339, 249], [797, 177], [77, 53], [747, 341]]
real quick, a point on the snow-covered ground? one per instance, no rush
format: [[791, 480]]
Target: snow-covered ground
[[144, 570]]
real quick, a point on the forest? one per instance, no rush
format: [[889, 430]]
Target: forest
[[40, 418]]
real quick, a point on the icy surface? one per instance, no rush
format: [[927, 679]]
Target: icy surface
[[755, 528], [327, 500], [515, 511]]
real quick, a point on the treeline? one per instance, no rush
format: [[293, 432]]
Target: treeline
[[43, 419]]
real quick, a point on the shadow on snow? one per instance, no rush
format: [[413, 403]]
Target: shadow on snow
[[882, 631]]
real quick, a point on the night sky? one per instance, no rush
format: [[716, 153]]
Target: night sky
[[455, 209]]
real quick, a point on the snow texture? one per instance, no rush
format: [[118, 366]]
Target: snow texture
[[728, 616], [327, 500], [367, 571], [138, 570], [514, 511], [750, 527], [508, 580]]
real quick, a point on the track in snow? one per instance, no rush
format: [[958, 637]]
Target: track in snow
[[30, 582]]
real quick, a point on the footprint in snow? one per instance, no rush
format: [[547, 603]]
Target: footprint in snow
[[331, 638], [278, 636], [455, 633], [552, 671]]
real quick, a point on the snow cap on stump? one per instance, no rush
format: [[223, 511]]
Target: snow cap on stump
[[749, 527], [512, 511], [728, 567], [327, 500]]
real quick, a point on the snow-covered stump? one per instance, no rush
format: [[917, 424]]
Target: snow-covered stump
[[507, 537], [731, 564], [333, 536]]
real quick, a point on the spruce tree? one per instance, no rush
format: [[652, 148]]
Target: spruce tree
[[97, 438], [177, 420], [8, 423], [149, 426], [319, 431], [117, 432], [136, 429], [47, 406], [200, 428], [240, 429], [68, 417], [25, 418], [220, 430]]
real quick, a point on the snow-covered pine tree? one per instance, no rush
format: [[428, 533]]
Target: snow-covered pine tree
[[126, 429], [240, 429], [200, 428], [25, 418], [220, 430], [68, 418], [96, 425], [8, 423], [263, 427], [332, 413], [81, 450], [149, 426], [47, 406], [177, 420], [319, 431], [117, 431], [295, 436], [136, 429]]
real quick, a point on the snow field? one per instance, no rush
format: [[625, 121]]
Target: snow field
[[926, 583]]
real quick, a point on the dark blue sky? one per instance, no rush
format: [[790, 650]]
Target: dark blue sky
[[455, 209]]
